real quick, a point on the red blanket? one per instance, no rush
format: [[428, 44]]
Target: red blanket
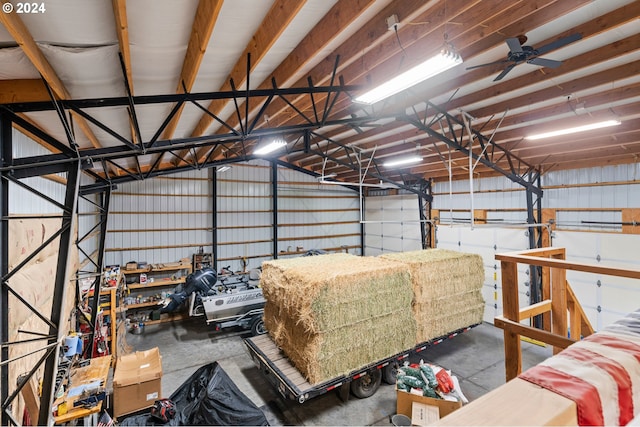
[[601, 374]]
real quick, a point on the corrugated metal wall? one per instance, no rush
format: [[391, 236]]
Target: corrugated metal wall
[[310, 215], [165, 219], [160, 220], [23, 201], [392, 224], [244, 215], [316, 216]]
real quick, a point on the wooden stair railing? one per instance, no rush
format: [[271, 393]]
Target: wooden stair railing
[[560, 307]]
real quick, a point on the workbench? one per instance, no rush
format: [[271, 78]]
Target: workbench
[[95, 373]]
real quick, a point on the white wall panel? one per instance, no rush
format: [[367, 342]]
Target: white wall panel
[[605, 298], [23, 201], [487, 242], [392, 224], [161, 219]]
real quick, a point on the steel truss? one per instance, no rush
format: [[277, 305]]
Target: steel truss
[[490, 154], [234, 140], [53, 321]]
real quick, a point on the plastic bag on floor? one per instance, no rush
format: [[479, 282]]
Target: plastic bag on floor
[[208, 397]]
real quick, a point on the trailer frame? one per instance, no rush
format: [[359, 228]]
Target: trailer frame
[[290, 383]]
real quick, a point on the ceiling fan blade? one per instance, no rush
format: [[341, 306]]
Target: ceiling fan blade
[[559, 43], [489, 63], [504, 72], [514, 44], [549, 63]]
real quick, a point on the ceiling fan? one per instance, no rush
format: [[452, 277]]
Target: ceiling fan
[[519, 53]]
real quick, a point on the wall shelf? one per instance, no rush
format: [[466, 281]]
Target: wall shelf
[[160, 277]]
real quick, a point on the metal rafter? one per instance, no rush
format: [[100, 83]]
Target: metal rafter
[[7, 154], [519, 171], [54, 320]]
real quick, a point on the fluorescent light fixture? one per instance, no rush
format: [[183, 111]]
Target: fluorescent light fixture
[[402, 161], [575, 129], [272, 146], [223, 168], [445, 59]]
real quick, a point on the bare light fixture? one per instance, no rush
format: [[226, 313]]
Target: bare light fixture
[[567, 131], [442, 61], [270, 147], [402, 161], [223, 168]]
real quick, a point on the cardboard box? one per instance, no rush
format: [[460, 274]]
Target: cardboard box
[[423, 410], [137, 381]]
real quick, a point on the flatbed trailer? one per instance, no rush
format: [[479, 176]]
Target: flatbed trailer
[[363, 382]]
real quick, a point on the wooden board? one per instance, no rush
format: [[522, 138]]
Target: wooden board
[[516, 403], [97, 370]]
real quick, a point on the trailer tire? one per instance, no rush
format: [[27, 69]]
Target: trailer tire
[[257, 326], [366, 385], [390, 372]]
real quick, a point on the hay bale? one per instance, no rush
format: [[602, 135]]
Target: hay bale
[[447, 289], [438, 273], [436, 319], [333, 313]]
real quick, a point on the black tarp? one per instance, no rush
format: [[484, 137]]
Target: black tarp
[[209, 397]]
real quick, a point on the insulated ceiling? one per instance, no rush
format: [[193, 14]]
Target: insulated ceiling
[[258, 69]]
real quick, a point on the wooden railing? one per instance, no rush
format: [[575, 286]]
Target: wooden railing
[[560, 309]]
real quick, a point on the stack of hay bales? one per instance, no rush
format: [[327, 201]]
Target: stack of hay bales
[[447, 287], [333, 313]]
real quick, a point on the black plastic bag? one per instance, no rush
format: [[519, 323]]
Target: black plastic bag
[[208, 397]]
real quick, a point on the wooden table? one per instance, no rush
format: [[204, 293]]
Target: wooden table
[[96, 370]]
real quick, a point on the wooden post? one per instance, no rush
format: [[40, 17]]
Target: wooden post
[[480, 216], [511, 311], [559, 301], [631, 216], [435, 216], [548, 215]]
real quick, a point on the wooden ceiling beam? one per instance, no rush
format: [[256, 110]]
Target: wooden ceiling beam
[[201, 30], [373, 35], [122, 31], [280, 15], [620, 136], [539, 17], [23, 90], [340, 16], [600, 55], [205, 19], [426, 40], [275, 22], [23, 37]]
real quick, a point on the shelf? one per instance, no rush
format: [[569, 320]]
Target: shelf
[[181, 316], [155, 284], [145, 304], [158, 267]]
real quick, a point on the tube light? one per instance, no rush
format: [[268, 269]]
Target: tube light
[[575, 129], [444, 60], [272, 146], [402, 161], [223, 168]]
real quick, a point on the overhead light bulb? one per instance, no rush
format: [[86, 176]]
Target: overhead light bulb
[[270, 147], [567, 131], [441, 62], [402, 161]]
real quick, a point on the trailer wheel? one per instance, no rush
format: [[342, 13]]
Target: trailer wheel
[[257, 326], [366, 385], [390, 373]]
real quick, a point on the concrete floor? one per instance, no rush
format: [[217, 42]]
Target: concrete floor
[[475, 357]]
